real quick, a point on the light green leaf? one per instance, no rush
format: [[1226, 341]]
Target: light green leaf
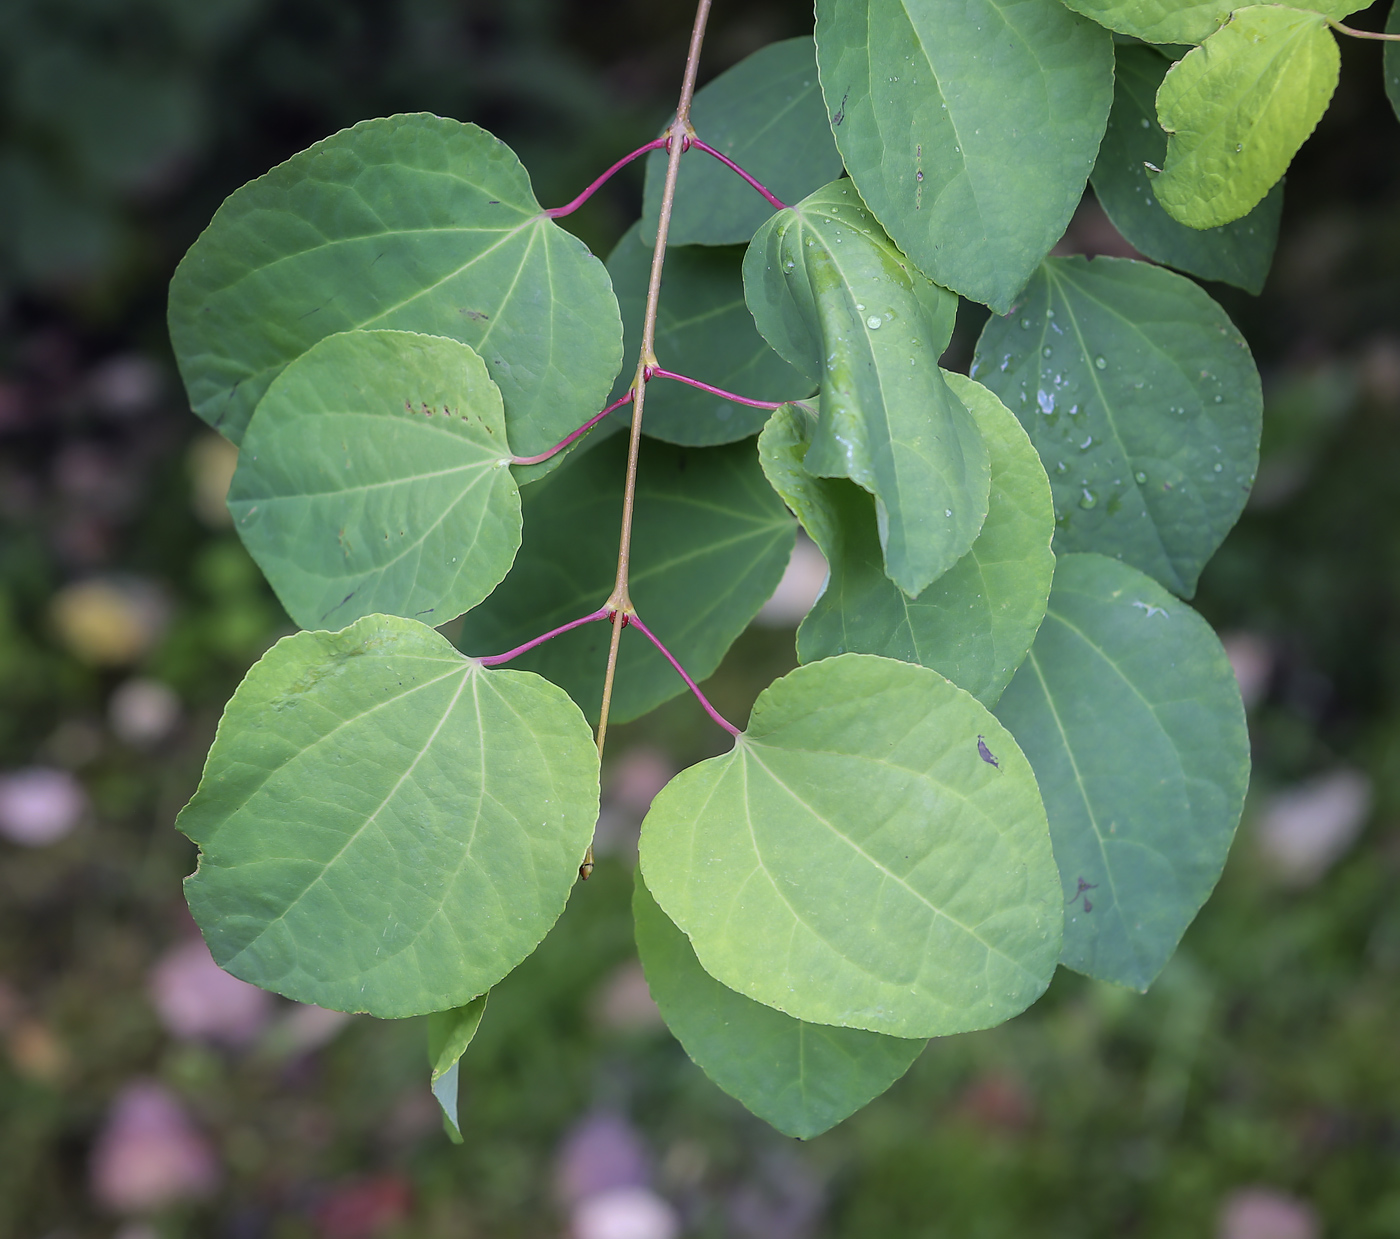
[[373, 479], [703, 330], [968, 131], [1144, 404], [767, 115], [1238, 253], [710, 542], [976, 622], [831, 293], [1180, 21], [384, 825], [449, 1035], [801, 1078], [412, 222], [1131, 717], [1237, 108], [872, 853], [1391, 60]]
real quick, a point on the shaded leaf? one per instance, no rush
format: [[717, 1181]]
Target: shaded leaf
[[1144, 404], [968, 133], [449, 1035], [1237, 253], [831, 293], [709, 545], [1131, 716], [703, 330], [767, 115], [801, 1078], [1237, 108], [1391, 60], [411, 222], [976, 622], [384, 825], [372, 479], [855, 859]]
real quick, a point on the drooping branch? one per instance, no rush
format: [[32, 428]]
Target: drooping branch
[[570, 207], [656, 372], [770, 197], [680, 671], [569, 438]]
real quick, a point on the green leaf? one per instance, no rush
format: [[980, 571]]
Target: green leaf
[[373, 479], [703, 330], [1237, 108], [976, 622], [1144, 404], [384, 825], [872, 853], [767, 115], [1391, 60], [412, 222], [831, 293], [1131, 717], [710, 542], [969, 132], [449, 1034], [802, 1078], [1238, 253], [1175, 21]]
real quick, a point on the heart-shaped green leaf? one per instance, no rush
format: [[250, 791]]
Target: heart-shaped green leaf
[[1144, 404], [710, 542], [767, 115], [834, 296], [1180, 21], [1237, 108], [411, 222], [871, 853], [1238, 253], [373, 479], [384, 825], [802, 1078], [705, 331], [969, 132], [976, 622], [1131, 716]]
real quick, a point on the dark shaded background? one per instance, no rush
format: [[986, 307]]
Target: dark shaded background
[[1256, 1089]]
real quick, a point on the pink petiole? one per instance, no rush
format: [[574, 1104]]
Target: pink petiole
[[636, 622], [655, 372], [495, 660], [770, 198], [570, 207], [567, 439]]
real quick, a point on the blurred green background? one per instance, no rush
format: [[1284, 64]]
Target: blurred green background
[[1254, 1093]]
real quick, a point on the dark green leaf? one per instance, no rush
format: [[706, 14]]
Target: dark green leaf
[[970, 131], [767, 115], [703, 330], [871, 853], [1131, 717], [1237, 108], [710, 543], [412, 222], [384, 825], [1144, 404], [976, 622], [1391, 61], [1238, 253], [802, 1078], [373, 478], [831, 293], [449, 1034]]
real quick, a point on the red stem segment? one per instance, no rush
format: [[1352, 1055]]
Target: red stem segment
[[495, 660], [564, 442], [636, 622], [734, 167], [655, 372], [570, 207]]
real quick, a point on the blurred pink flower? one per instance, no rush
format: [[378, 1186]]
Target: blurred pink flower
[[149, 1154], [600, 1152], [39, 806], [624, 1213], [1264, 1213], [198, 1001]]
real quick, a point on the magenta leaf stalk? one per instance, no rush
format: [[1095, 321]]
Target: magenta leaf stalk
[[569, 438], [570, 207], [655, 372], [636, 622], [495, 660], [771, 198]]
